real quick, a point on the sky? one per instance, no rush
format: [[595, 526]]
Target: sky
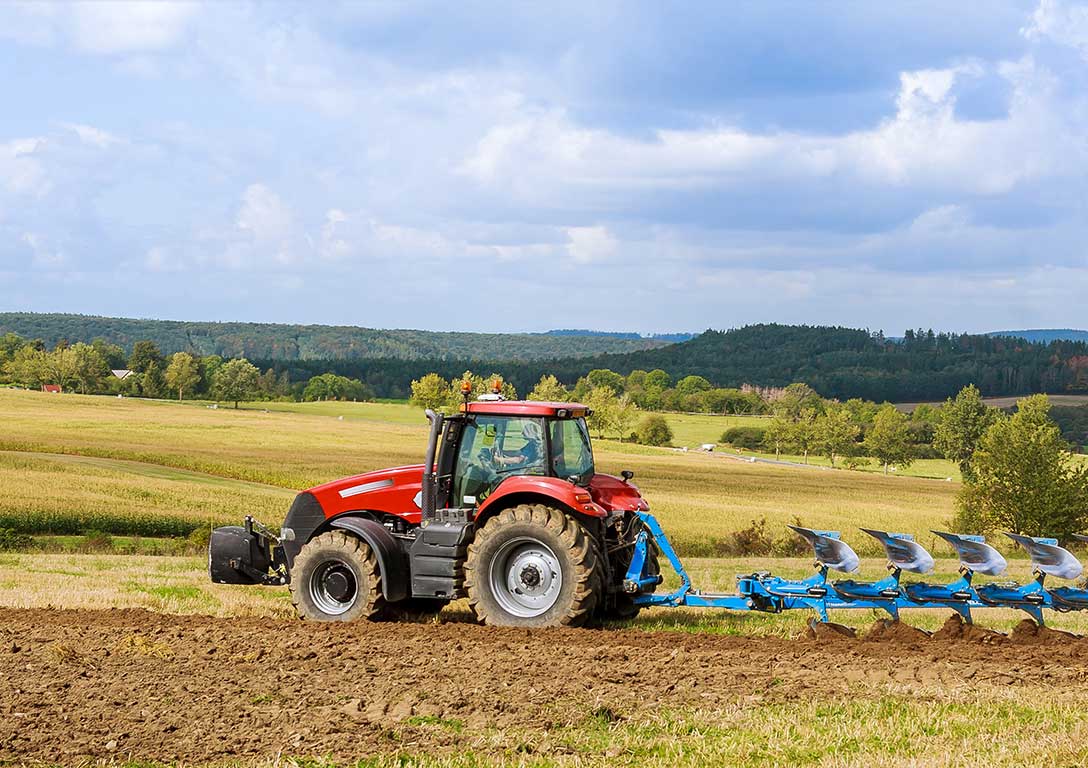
[[645, 166]]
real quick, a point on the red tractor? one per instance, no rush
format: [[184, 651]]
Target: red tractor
[[507, 510]]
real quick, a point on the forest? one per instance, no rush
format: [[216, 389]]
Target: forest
[[839, 363], [281, 342]]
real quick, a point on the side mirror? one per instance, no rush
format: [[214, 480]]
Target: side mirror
[[627, 475]]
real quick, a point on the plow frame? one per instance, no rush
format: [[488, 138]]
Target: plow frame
[[764, 592]]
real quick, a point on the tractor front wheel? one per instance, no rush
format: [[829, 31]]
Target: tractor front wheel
[[336, 577], [532, 566]]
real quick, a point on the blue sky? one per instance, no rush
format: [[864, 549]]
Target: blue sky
[[628, 166]]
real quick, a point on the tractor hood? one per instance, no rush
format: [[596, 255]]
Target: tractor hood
[[614, 494], [387, 490]]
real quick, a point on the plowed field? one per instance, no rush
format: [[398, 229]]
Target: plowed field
[[130, 685]]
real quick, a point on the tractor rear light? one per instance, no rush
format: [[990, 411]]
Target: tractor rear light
[[583, 498]]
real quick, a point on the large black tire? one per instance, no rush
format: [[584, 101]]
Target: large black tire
[[336, 577], [532, 566]]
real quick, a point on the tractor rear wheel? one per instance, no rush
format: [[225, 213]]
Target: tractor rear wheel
[[532, 566], [336, 577]]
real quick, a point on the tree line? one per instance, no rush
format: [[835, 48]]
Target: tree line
[[841, 363], [147, 372], [283, 342]]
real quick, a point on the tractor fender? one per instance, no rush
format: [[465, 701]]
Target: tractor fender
[[392, 562], [532, 488]]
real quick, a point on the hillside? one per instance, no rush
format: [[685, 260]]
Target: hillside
[[273, 341], [1045, 335]]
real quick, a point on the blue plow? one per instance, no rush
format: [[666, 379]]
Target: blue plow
[[772, 594]]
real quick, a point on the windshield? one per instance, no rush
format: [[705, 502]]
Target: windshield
[[493, 448], [572, 456]]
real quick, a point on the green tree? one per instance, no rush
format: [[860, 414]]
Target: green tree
[[690, 385], [28, 367], [802, 434], [961, 424], [209, 366], [152, 381], [657, 379], [604, 404], [430, 392], [777, 435], [330, 386], [89, 369], [549, 390], [61, 366], [889, 439], [183, 373], [111, 353], [654, 430], [235, 381], [1024, 479], [625, 414], [602, 377], [796, 398], [836, 433], [144, 353]]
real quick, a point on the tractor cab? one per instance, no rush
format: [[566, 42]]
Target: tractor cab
[[490, 442]]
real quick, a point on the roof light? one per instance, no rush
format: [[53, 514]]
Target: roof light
[[466, 387], [496, 385]]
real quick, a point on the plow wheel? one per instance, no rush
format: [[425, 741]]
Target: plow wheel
[[532, 566], [336, 578]]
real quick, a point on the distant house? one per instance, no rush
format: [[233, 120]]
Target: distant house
[[54, 388], [122, 374]]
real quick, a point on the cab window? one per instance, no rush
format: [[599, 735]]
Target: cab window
[[572, 454], [494, 448]]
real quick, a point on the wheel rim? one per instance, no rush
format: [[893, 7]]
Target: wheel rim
[[526, 577], [334, 587]]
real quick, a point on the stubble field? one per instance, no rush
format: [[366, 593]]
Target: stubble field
[[112, 659]]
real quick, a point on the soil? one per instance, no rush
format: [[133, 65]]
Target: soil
[[893, 631], [79, 686], [956, 629]]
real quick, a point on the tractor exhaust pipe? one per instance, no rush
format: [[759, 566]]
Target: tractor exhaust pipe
[[430, 479]]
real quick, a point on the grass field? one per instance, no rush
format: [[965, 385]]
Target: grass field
[[69, 464], [72, 461]]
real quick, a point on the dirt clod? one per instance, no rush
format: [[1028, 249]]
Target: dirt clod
[[829, 631], [958, 630], [893, 631], [1027, 632]]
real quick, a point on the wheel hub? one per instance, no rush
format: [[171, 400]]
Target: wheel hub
[[526, 577], [530, 576], [334, 587], [338, 585]]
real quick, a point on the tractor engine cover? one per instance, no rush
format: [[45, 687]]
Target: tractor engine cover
[[237, 556]]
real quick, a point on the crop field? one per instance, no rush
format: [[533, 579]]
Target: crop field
[[163, 468], [135, 660]]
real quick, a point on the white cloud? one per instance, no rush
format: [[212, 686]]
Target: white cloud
[[269, 221], [589, 245], [21, 170], [93, 136], [129, 27], [44, 256], [545, 155], [1064, 23]]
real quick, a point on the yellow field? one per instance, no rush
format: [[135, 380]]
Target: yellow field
[[230, 463]]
